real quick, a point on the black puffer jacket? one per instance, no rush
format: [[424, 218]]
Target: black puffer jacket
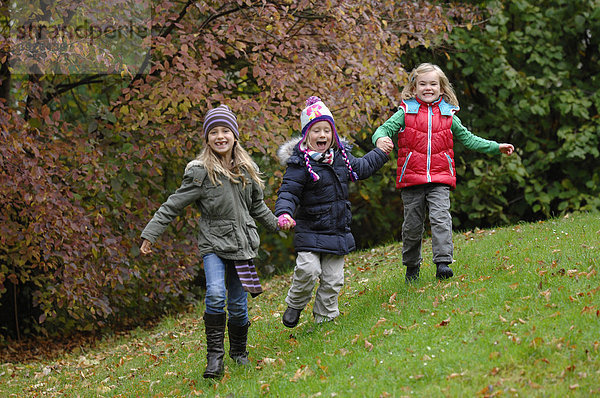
[[321, 208]]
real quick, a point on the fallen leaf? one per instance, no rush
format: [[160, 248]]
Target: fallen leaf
[[546, 294], [392, 299], [445, 322], [379, 322], [343, 352], [322, 367], [534, 385], [557, 313], [368, 345], [302, 373], [570, 368], [514, 285], [454, 375], [537, 341], [587, 309]]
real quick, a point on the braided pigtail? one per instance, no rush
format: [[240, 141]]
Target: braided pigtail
[[353, 175]]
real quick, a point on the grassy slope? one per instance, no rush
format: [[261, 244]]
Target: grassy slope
[[520, 317]]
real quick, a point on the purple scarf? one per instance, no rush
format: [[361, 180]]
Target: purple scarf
[[248, 276]]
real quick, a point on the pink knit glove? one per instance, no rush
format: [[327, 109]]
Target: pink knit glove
[[285, 221]]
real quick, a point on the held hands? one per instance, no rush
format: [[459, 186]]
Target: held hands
[[506, 149], [285, 221], [145, 248], [385, 144]]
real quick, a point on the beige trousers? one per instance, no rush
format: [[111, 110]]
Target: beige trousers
[[310, 267]]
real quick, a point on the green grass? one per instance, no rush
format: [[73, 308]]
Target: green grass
[[521, 317]]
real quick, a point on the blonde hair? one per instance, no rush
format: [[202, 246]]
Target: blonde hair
[[449, 95], [214, 165]]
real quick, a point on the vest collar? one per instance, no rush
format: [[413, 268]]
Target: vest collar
[[412, 106]]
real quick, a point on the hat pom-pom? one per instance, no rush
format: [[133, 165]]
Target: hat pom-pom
[[312, 100]]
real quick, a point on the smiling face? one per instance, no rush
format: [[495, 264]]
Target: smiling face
[[221, 140], [427, 87], [319, 136]]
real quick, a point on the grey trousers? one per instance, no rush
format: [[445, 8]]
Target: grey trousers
[[310, 267], [416, 199]]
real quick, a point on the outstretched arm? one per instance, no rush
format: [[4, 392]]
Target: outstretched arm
[[388, 129]]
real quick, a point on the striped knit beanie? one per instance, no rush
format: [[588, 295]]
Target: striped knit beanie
[[316, 111], [220, 116]]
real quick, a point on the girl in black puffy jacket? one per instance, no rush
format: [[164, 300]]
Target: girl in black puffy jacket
[[314, 198]]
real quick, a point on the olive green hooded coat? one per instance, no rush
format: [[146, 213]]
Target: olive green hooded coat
[[226, 226]]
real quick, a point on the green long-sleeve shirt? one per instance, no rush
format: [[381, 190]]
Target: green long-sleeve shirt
[[395, 124]]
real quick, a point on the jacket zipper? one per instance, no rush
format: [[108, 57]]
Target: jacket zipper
[[404, 167], [429, 120], [450, 164]]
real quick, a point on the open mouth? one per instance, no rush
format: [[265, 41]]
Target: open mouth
[[321, 145]]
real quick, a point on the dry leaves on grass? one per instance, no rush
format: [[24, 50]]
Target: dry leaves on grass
[[302, 373]]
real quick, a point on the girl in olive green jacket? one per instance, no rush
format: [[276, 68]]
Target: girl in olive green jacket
[[226, 186]]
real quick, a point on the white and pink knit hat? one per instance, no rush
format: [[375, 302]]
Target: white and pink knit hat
[[317, 111]]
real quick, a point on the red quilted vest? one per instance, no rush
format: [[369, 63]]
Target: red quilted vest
[[426, 154]]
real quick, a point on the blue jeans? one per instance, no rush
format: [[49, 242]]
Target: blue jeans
[[222, 282]]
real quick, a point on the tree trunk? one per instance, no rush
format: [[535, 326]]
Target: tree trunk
[[4, 52]]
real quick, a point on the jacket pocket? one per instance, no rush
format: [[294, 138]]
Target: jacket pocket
[[318, 218], [252, 234], [450, 164], [404, 166], [223, 237]]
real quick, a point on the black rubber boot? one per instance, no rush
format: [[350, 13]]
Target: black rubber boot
[[443, 271], [215, 334], [412, 274], [291, 316], [238, 337]]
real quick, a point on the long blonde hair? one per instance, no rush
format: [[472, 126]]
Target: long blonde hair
[[449, 95], [214, 165]]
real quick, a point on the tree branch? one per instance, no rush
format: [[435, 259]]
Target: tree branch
[[63, 88]]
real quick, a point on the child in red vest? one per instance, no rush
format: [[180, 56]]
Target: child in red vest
[[426, 127]]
